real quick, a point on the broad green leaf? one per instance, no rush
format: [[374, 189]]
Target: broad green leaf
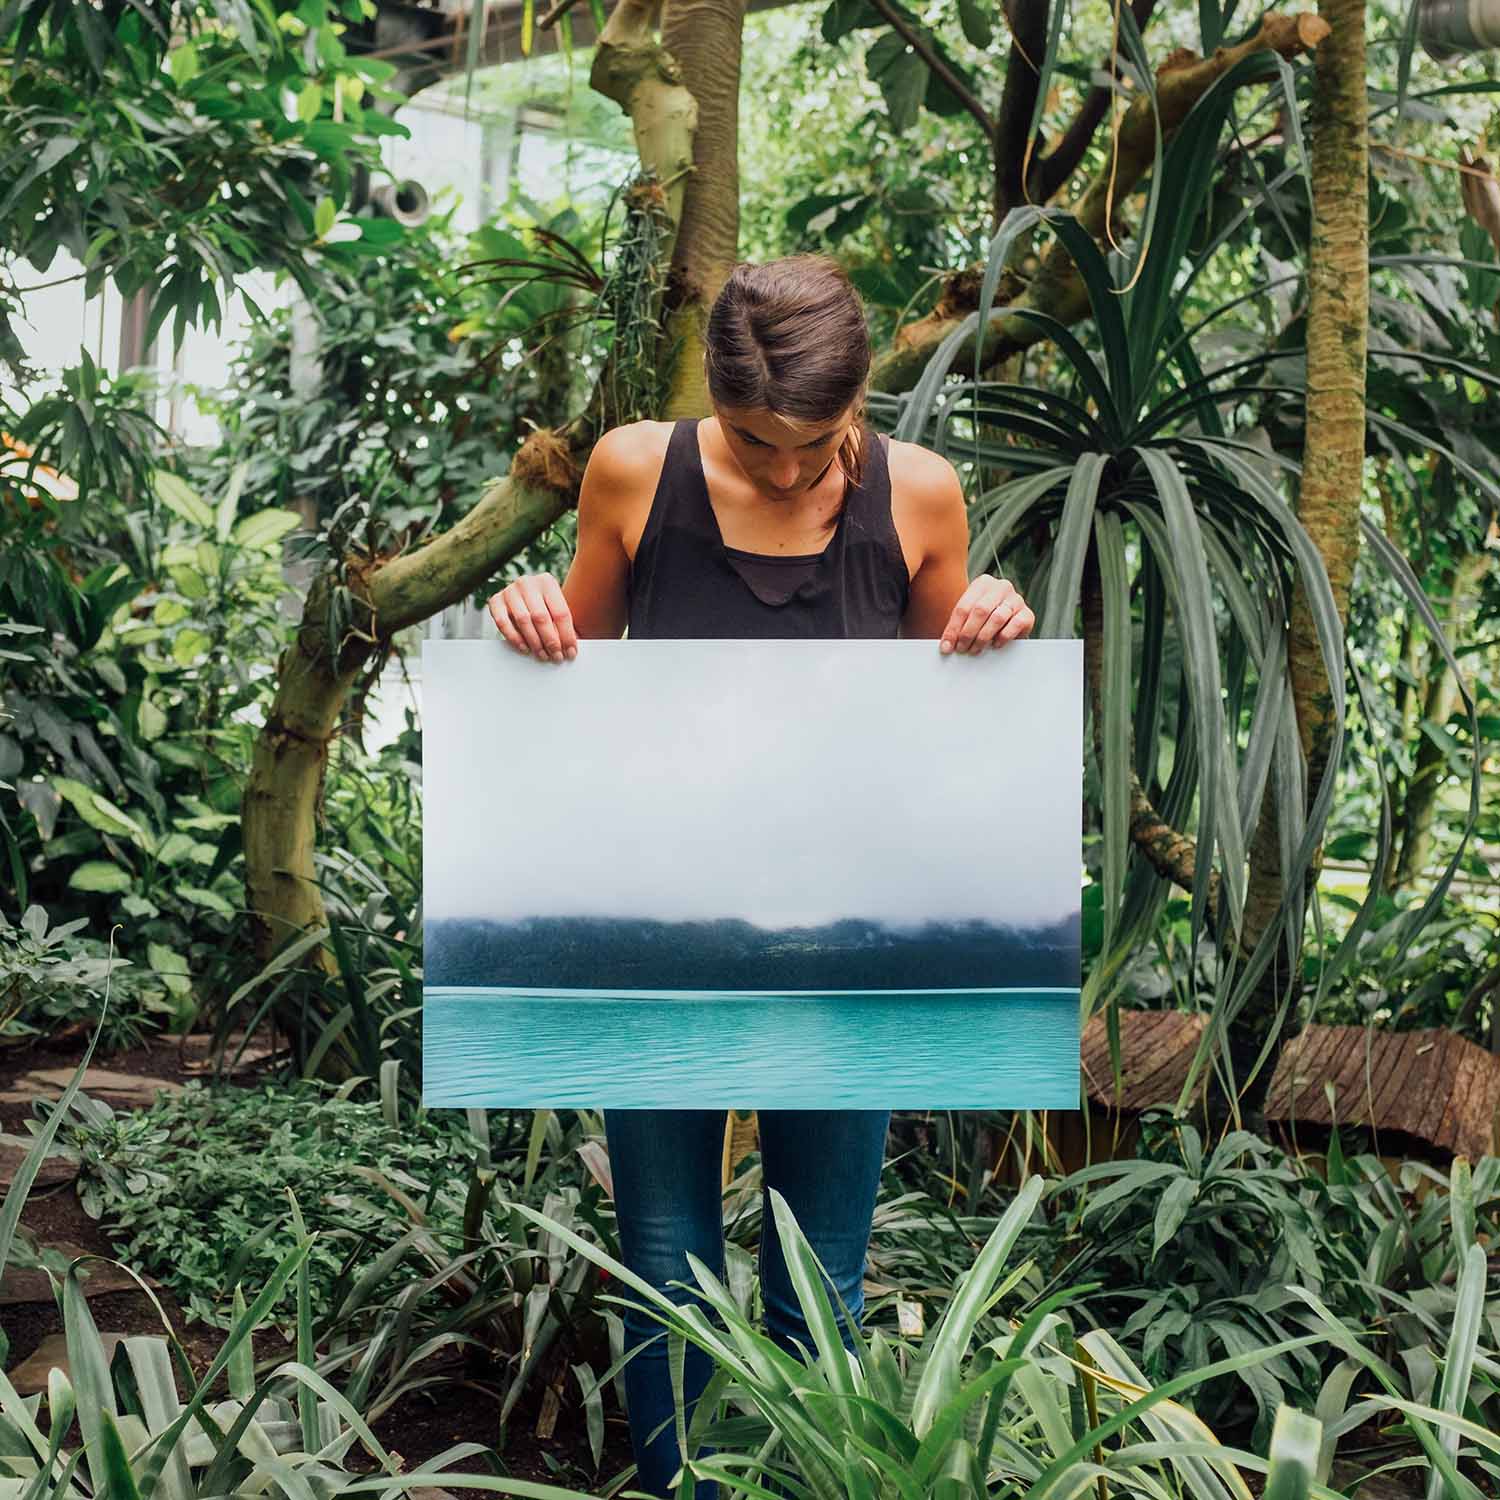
[[174, 847], [324, 216], [169, 611], [974, 17], [210, 899], [150, 720], [100, 876], [189, 645], [182, 63], [844, 16], [310, 103], [190, 582], [97, 811], [265, 528], [901, 76], [182, 499]]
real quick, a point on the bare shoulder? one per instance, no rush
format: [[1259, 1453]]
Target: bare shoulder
[[621, 478], [927, 503], [631, 454], [924, 485]]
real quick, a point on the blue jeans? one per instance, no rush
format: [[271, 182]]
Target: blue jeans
[[667, 1166]]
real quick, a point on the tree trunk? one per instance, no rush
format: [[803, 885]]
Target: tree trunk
[[386, 595], [1332, 478], [705, 35], [1420, 802]]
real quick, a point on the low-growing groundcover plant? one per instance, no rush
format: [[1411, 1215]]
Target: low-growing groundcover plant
[[121, 1429], [194, 1191], [1032, 1410], [1198, 1253], [1002, 1397], [52, 980]]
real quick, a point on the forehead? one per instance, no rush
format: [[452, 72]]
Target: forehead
[[770, 428]]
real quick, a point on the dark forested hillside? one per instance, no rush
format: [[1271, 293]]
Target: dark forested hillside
[[730, 954]]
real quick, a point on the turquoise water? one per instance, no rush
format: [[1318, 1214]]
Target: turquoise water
[[870, 1049]]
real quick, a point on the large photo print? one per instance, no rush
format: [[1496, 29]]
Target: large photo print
[[770, 874]]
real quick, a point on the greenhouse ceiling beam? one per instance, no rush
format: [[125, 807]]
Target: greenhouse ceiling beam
[[430, 43]]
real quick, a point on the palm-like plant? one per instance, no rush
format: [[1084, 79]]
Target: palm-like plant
[[1133, 494], [974, 1413]]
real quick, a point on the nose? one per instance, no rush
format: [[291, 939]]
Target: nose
[[783, 472]]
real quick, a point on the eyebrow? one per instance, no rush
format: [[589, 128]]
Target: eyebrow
[[752, 437]]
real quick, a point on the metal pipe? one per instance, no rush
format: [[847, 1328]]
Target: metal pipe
[[1448, 28], [406, 202]]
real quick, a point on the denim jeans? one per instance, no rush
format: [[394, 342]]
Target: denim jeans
[[667, 1166]]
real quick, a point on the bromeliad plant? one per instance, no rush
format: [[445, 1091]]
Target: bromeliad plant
[[1140, 496]]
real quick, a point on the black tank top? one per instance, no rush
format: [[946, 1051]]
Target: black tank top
[[685, 584]]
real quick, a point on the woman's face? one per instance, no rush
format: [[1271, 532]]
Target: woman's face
[[782, 460]]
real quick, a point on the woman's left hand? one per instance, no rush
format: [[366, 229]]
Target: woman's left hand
[[989, 613]]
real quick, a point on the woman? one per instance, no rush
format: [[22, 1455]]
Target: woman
[[782, 515]]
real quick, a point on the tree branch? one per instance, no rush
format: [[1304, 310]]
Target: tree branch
[[1062, 160], [1057, 289], [922, 46], [1028, 30]]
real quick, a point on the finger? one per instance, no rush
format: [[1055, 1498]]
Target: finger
[[549, 644], [562, 616], [974, 622], [1000, 618], [1018, 627], [520, 614], [959, 618], [500, 614]]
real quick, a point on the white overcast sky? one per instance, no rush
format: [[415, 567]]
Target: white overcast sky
[[789, 783]]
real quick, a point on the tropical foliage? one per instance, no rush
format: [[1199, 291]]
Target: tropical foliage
[[1291, 814]]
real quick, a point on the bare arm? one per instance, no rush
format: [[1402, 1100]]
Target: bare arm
[[933, 523], [545, 619]]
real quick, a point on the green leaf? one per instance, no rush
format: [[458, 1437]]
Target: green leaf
[[229, 501], [324, 216], [265, 528], [211, 900], [182, 499], [1463, 1344], [182, 63], [98, 812], [150, 721], [844, 16], [99, 876], [1172, 1209], [310, 102], [191, 584], [175, 847], [902, 77], [189, 645], [975, 21], [1295, 1441], [1070, 547], [169, 611], [59, 147]]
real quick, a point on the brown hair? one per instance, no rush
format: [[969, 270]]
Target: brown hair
[[789, 337]]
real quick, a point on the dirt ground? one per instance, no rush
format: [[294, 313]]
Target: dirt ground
[[417, 1427]]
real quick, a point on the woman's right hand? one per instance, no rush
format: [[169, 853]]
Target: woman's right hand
[[534, 618]]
